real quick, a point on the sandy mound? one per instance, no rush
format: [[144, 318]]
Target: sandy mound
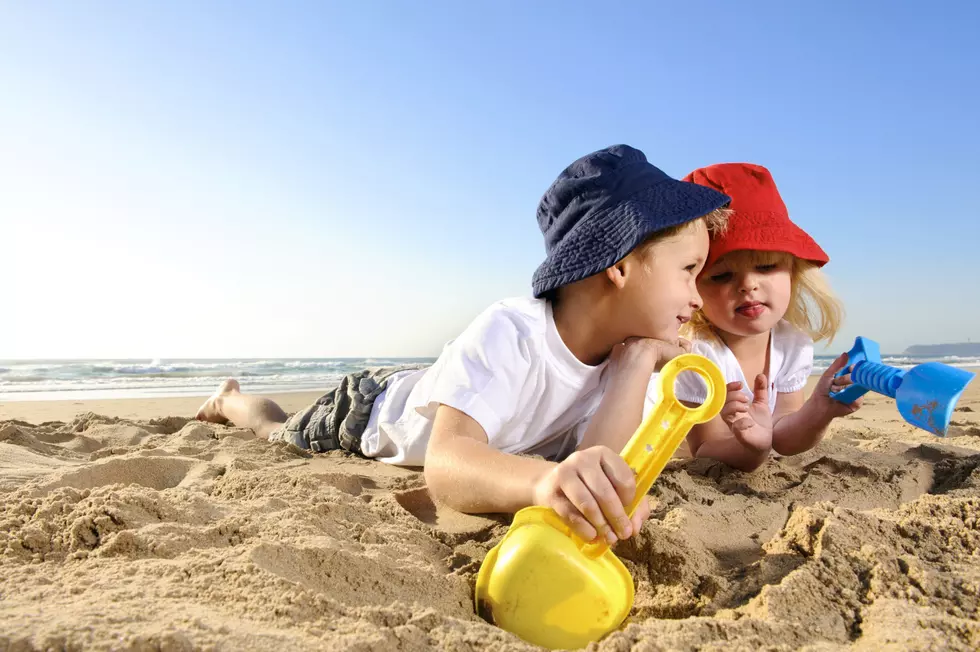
[[176, 535]]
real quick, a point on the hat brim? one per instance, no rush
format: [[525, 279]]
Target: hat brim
[[789, 238], [605, 238]]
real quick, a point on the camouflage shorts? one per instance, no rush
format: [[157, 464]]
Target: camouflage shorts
[[338, 418]]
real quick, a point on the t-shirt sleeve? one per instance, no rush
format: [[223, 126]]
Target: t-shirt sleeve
[[797, 363], [482, 373]]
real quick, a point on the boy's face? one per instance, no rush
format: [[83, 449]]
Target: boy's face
[[664, 293], [747, 292]]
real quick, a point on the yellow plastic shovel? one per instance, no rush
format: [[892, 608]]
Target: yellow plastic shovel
[[551, 588]]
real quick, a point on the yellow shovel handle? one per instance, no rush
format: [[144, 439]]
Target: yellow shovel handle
[[654, 442]]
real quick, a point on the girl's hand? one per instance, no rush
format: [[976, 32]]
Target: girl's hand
[[823, 405], [750, 422]]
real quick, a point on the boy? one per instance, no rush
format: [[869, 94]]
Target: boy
[[561, 376]]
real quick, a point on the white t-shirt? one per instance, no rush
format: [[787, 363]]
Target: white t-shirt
[[510, 371], [790, 364]]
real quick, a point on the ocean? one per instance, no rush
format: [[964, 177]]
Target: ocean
[[26, 380]]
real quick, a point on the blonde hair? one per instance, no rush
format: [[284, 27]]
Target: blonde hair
[[813, 306]]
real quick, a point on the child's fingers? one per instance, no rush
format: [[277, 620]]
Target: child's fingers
[[669, 351], [840, 382], [587, 505], [734, 414], [640, 516], [733, 386], [827, 377], [736, 397], [619, 473], [609, 502], [570, 514], [735, 403], [761, 392], [623, 479], [733, 408]]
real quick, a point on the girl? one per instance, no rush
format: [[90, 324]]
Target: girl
[[765, 303]]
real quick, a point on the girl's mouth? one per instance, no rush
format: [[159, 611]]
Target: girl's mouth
[[751, 309]]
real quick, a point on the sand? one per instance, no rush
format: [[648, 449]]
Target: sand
[[134, 530]]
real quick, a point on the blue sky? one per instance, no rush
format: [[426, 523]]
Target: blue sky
[[360, 179]]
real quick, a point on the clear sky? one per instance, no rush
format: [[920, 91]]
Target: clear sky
[[245, 179]]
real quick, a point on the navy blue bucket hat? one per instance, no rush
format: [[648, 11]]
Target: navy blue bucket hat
[[606, 204]]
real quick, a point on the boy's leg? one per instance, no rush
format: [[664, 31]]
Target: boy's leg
[[228, 404]]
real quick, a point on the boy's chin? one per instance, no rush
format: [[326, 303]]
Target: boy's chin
[[666, 335]]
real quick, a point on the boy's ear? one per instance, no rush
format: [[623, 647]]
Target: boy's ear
[[617, 273]]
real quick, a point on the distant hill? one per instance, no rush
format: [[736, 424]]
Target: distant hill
[[963, 349]]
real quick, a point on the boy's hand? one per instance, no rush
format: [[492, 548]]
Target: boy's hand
[[589, 491], [751, 423], [647, 353], [822, 405]]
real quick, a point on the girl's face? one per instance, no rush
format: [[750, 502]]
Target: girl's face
[[746, 293]]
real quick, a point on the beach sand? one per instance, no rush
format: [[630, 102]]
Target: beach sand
[[127, 526]]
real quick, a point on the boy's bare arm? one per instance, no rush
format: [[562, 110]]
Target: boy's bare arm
[[464, 472], [589, 490], [621, 409]]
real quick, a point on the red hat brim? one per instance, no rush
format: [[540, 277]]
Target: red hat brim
[[758, 233]]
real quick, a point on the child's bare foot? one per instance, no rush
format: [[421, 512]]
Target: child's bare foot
[[211, 410]]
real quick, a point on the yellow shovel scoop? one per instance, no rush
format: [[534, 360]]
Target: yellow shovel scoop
[[551, 588]]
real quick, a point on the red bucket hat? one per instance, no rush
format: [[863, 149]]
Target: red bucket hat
[[760, 220]]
